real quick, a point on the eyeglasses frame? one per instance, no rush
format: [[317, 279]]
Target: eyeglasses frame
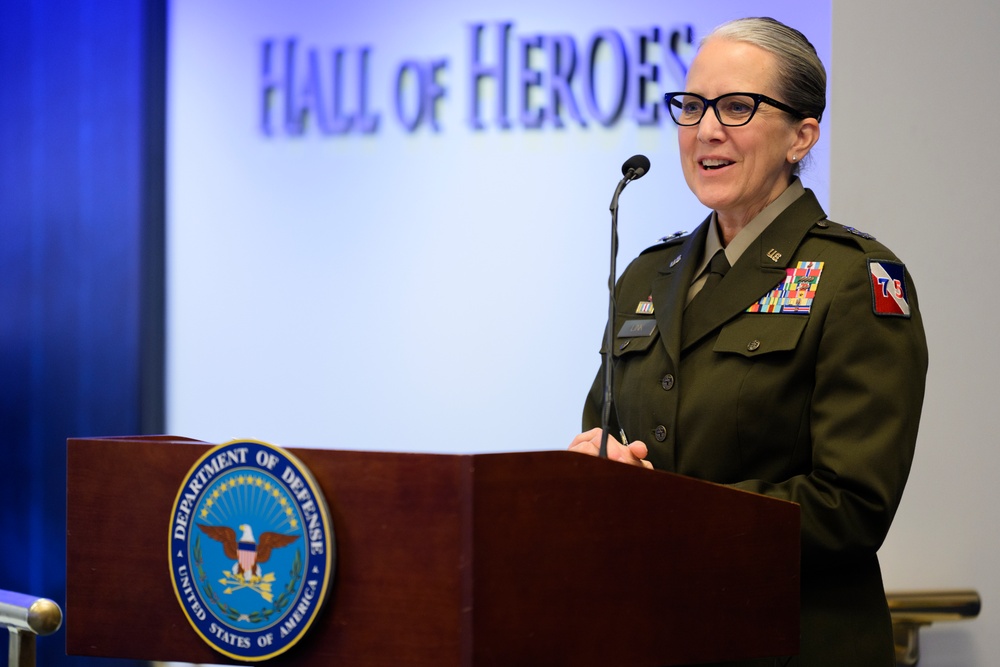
[[756, 97]]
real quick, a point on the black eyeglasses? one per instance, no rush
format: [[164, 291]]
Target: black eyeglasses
[[732, 109]]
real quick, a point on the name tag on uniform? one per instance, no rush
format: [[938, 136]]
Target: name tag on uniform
[[637, 328]]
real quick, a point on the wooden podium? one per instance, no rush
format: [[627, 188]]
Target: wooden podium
[[542, 558]]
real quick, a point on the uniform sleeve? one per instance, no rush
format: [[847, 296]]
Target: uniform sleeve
[[869, 388], [592, 406]]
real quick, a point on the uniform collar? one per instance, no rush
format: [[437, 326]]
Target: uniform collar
[[768, 254], [751, 232]]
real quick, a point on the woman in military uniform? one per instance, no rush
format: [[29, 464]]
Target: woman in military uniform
[[788, 356]]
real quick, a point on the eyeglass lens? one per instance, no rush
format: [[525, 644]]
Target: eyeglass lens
[[730, 109]]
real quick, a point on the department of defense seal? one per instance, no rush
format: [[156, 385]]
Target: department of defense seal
[[252, 550]]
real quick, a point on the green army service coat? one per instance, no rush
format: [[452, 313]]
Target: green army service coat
[[819, 407]]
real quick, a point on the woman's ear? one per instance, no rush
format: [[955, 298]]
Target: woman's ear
[[806, 136]]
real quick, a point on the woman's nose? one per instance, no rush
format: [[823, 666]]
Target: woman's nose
[[710, 129]]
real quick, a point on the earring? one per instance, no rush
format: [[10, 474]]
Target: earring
[[795, 158]]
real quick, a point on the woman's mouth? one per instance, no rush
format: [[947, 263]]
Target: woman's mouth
[[713, 163]]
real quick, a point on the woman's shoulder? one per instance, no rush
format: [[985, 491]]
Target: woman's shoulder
[[862, 262], [666, 242], [661, 256], [849, 237]]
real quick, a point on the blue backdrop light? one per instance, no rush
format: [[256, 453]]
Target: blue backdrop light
[[78, 184]]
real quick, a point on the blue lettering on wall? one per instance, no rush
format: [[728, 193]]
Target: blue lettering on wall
[[551, 84], [645, 111], [680, 51], [619, 77], [426, 93], [481, 70], [532, 81], [298, 88]]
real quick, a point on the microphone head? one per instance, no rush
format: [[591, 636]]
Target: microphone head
[[637, 164]]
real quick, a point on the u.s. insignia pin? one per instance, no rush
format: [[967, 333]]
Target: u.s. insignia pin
[[252, 551]]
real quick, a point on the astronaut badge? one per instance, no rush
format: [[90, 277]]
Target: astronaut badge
[[252, 549]]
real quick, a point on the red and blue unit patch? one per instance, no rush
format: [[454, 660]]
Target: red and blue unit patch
[[888, 280]]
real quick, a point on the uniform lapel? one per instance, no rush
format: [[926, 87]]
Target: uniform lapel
[[670, 288], [760, 268]]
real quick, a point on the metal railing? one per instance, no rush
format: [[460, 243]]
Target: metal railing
[[912, 610], [26, 616]]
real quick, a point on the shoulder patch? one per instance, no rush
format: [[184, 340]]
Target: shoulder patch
[[888, 281]]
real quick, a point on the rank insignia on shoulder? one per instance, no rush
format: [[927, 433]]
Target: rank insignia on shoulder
[[670, 237], [888, 280], [858, 232], [794, 294], [645, 307]]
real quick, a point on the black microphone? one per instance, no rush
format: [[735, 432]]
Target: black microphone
[[635, 167], [638, 165]]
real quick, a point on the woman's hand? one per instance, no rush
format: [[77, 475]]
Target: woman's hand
[[589, 442]]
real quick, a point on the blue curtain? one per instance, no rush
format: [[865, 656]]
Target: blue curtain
[[81, 246]]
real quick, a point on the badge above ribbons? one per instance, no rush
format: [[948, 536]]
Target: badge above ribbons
[[252, 551]]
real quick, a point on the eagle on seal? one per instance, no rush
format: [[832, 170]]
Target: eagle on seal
[[247, 552]]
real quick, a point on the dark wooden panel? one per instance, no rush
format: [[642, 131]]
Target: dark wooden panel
[[395, 600], [636, 567], [531, 558]]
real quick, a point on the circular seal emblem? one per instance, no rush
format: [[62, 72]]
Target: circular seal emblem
[[251, 549]]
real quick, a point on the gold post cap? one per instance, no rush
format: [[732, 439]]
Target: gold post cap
[[44, 617]]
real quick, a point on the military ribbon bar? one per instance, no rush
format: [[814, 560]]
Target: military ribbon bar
[[794, 294]]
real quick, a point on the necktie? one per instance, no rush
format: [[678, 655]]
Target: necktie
[[697, 312], [717, 267]]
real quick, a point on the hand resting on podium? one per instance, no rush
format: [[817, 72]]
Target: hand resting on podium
[[589, 442]]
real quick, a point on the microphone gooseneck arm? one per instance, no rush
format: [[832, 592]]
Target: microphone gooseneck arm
[[635, 167]]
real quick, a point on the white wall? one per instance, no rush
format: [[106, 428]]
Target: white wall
[[435, 290], [914, 145]]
